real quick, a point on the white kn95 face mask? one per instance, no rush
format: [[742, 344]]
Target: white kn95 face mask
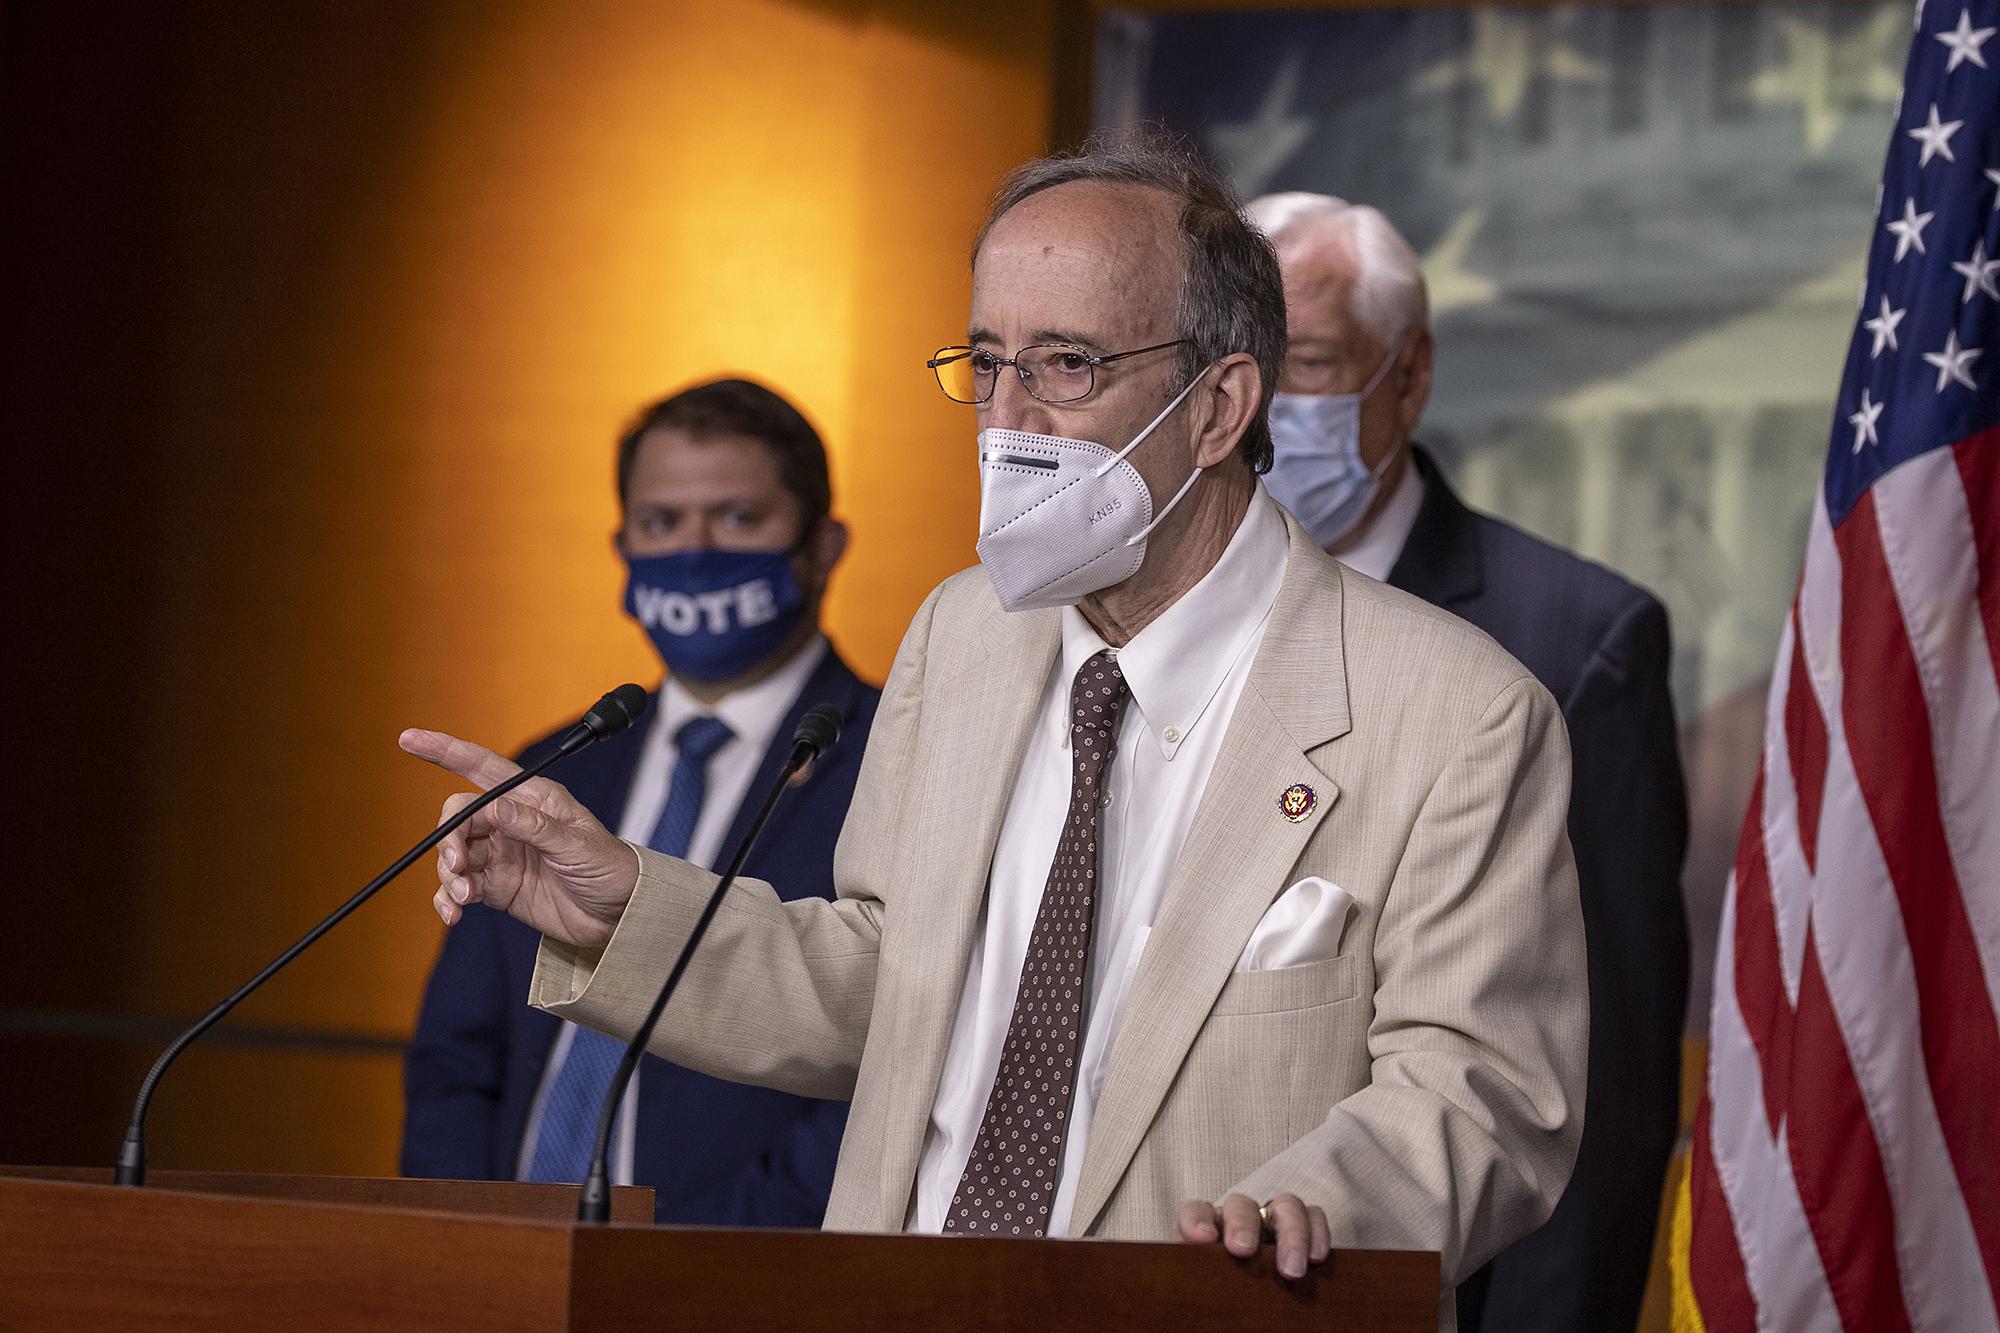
[[1060, 519]]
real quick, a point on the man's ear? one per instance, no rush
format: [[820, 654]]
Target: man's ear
[[1413, 381], [824, 547], [618, 541], [1235, 388]]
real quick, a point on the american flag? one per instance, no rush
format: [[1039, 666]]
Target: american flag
[[1845, 1168]]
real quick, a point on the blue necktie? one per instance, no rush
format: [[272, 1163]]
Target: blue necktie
[[576, 1091]]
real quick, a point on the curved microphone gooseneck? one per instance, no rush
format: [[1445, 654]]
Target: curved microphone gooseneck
[[818, 729], [607, 717]]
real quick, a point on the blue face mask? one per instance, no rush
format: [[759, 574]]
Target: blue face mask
[[714, 615], [1316, 470]]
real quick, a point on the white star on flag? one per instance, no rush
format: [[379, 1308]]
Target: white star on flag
[[1935, 136], [1953, 361], [1978, 272], [1965, 42], [1864, 422], [1909, 229], [1994, 176], [1883, 326]]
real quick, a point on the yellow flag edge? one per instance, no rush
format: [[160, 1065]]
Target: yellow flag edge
[[1686, 1311]]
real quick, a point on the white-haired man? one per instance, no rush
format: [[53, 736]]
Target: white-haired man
[[1352, 391]]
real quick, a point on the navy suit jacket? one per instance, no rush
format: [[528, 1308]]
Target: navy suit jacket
[[716, 1153], [1600, 645]]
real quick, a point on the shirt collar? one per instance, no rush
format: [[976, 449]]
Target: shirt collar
[[753, 713], [1375, 554], [1176, 665]]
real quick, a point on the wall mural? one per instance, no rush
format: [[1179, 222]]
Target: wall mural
[[1644, 229]]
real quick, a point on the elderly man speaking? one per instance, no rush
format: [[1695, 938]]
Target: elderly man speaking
[[1193, 885]]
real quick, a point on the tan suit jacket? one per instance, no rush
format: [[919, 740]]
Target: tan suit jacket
[[1424, 1086]]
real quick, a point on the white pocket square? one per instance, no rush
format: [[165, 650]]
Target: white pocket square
[[1303, 926]]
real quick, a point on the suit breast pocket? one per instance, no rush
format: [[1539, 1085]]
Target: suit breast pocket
[[1279, 1048], [1275, 990]]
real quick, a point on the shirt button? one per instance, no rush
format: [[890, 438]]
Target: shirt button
[[1172, 734], [1104, 799]]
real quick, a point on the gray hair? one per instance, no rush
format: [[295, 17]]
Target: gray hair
[[1390, 295], [1231, 297]]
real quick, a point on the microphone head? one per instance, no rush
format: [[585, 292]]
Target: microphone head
[[818, 729], [615, 711]]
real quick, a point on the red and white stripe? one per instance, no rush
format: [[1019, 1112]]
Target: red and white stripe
[[1846, 1163]]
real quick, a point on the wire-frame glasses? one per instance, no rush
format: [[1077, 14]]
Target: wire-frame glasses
[[1052, 372]]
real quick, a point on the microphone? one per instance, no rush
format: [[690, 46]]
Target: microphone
[[611, 714], [817, 732], [607, 717]]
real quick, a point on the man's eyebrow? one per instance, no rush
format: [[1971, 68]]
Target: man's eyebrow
[[1068, 337]]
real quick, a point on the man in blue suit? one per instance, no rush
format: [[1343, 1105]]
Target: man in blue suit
[[729, 541], [1355, 383]]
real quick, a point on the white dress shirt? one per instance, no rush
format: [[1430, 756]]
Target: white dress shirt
[[753, 714], [1383, 540], [1185, 671]]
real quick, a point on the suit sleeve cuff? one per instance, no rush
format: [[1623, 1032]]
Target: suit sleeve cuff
[[611, 988]]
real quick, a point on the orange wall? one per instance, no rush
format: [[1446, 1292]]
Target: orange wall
[[415, 268]]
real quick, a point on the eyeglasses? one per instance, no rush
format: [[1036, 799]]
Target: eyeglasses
[[1050, 371]]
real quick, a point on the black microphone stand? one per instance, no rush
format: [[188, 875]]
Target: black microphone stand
[[817, 730], [132, 1153]]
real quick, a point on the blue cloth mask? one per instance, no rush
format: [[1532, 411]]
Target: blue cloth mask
[[713, 615], [1316, 468]]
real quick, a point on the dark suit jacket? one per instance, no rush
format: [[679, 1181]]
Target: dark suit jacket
[[1600, 646], [716, 1153]]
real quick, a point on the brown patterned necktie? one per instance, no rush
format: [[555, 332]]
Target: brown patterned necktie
[[1010, 1179]]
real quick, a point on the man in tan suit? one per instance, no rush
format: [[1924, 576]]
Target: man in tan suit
[[1194, 885]]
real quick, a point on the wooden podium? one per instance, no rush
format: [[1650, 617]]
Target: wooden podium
[[331, 1254]]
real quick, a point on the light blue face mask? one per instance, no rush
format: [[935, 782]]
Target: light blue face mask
[[1316, 469]]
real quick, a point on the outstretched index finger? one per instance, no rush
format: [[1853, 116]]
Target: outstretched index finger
[[475, 763]]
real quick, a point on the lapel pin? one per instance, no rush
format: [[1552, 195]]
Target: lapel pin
[[1297, 801]]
